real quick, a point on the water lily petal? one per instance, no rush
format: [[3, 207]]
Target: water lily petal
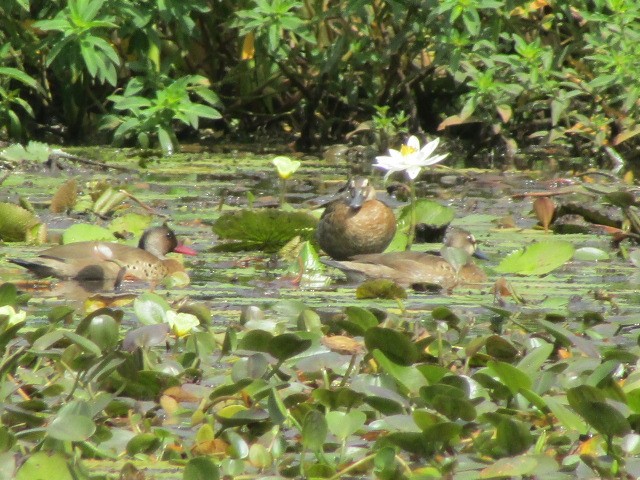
[[413, 171], [429, 148], [438, 158], [413, 143]]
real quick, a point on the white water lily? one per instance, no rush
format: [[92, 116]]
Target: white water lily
[[410, 158]]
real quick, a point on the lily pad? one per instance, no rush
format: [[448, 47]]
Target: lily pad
[[84, 232], [266, 230], [427, 212], [537, 259]]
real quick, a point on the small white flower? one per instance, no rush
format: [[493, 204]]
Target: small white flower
[[410, 158]]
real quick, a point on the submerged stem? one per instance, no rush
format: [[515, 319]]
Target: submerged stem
[[283, 187], [412, 224]]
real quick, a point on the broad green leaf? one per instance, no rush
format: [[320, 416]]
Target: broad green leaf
[[45, 466], [72, 423], [511, 376], [538, 258], [314, 430], [151, 308], [409, 377], [201, 468], [590, 403], [287, 345], [84, 232], [345, 424], [395, 345]]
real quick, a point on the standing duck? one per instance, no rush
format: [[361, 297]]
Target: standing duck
[[108, 260], [415, 268], [356, 224]]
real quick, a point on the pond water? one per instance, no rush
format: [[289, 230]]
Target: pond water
[[193, 189], [584, 312]]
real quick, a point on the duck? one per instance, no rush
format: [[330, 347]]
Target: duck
[[356, 224], [413, 269], [106, 261]]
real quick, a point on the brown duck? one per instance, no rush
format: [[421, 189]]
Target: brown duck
[[356, 224], [419, 268], [108, 260]]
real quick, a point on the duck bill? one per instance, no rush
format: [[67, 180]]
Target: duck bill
[[480, 255], [358, 199], [183, 249]]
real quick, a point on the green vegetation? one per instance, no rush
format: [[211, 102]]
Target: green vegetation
[[266, 366], [502, 74]]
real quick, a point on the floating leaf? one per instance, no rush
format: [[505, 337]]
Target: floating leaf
[[134, 223], [34, 151], [267, 230], [65, 197], [15, 222], [428, 212], [591, 254], [380, 288], [84, 232], [537, 259]]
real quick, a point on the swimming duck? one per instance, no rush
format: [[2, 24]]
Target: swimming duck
[[356, 224], [417, 268], [109, 260]]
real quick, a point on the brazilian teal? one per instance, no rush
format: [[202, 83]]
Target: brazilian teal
[[356, 224]]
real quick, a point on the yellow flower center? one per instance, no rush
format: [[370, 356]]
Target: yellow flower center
[[407, 150]]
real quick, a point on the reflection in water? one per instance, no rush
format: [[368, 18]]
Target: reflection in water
[[75, 290]]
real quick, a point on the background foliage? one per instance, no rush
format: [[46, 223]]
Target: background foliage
[[507, 74]]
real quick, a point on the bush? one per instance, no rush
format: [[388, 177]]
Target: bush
[[517, 72]]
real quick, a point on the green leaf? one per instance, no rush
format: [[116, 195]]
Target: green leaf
[[314, 430], [537, 259], [201, 468], [512, 377], [358, 320], [84, 343], [72, 423], [151, 308], [15, 221], [45, 466], [343, 424], [83, 232], [267, 230], [287, 345], [255, 340], [409, 377], [590, 403], [395, 345]]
